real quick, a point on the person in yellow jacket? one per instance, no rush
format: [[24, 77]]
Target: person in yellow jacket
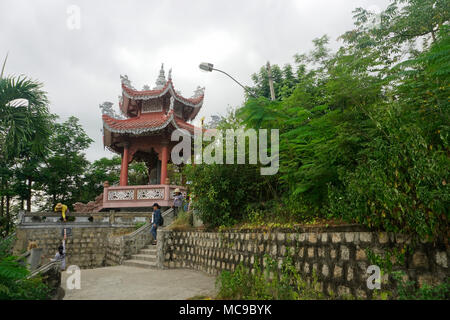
[[63, 208]]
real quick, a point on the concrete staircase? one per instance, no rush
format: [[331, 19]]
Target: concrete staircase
[[146, 258]]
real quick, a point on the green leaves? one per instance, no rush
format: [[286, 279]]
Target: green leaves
[[14, 284], [364, 133]]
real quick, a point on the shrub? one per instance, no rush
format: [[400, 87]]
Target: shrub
[[408, 290], [271, 283], [14, 284]]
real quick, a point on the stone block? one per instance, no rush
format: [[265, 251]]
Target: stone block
[[349, 274], [321, 252], [261, 248], [301, 252], [274, 250], [333, 254], [441, 259], [419, 260], [336, 237], [349, 236], [325, 270], [365, 236], [324, 237], [345, 253], [310, 252], [337, 272], [360, 254], [343, 291], [281, 236], [427, 279], [383, 237], [306, 268], [361, 294], [312, 238]]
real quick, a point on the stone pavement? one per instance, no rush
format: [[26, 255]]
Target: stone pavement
[[124, 282]]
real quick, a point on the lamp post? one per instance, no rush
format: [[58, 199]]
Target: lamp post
[[210, 67]]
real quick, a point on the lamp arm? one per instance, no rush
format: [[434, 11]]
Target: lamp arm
[[251, 93]]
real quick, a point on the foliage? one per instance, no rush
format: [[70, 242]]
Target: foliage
[[14, 284], [222, 191], [364, 132], [66, 164], [272, 283], [24, 132], [184, 219], [408, 290]]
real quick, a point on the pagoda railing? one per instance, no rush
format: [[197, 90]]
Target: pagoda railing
[[139, 196]]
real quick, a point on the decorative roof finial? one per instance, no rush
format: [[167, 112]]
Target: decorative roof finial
[[124, 79], [169, 77], [199, 92], [161, 80]]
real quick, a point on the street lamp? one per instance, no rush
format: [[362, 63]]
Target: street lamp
[[210, 67]]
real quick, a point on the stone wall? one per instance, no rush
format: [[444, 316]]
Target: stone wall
[[96, 240], [120, 248], [86, 247], [337, 255]]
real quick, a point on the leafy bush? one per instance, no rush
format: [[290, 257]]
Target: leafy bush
[[269, 284], [184, 219], [14, 284], [407, 290]]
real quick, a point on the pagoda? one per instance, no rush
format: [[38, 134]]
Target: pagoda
[[142, 133]]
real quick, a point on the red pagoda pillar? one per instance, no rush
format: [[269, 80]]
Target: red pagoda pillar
[[124, 167], [164, 160]]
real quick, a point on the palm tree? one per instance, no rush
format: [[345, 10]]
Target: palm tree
[[24, 128]]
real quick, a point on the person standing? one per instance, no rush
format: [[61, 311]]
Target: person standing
[[61, 254], [156, 221], [177, 202]]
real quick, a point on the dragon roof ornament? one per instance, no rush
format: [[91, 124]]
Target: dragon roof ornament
[[200, 91], [107, 108], [124, 79]]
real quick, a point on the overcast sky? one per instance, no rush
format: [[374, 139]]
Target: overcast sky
[[80, 67]]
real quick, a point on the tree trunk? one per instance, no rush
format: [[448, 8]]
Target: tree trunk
[[7, 223], [29, 195], [2, 206]]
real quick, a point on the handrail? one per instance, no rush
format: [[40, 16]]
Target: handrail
[[138, 231], [165, 213], [44, 268]]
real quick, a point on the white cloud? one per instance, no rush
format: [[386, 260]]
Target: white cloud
[[80, 68]]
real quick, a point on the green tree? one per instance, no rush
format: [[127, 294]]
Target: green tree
[[24, 132], [63, 175]]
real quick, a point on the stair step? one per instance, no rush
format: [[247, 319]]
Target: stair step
[[139, 264], [148, 251], [144, 257]]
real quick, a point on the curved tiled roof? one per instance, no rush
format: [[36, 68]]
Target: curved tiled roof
[[195, 102], [145, 123]]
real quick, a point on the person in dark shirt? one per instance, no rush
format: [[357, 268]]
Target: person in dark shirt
[[156, 221]]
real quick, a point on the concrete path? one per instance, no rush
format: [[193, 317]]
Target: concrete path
[[123, 282]]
